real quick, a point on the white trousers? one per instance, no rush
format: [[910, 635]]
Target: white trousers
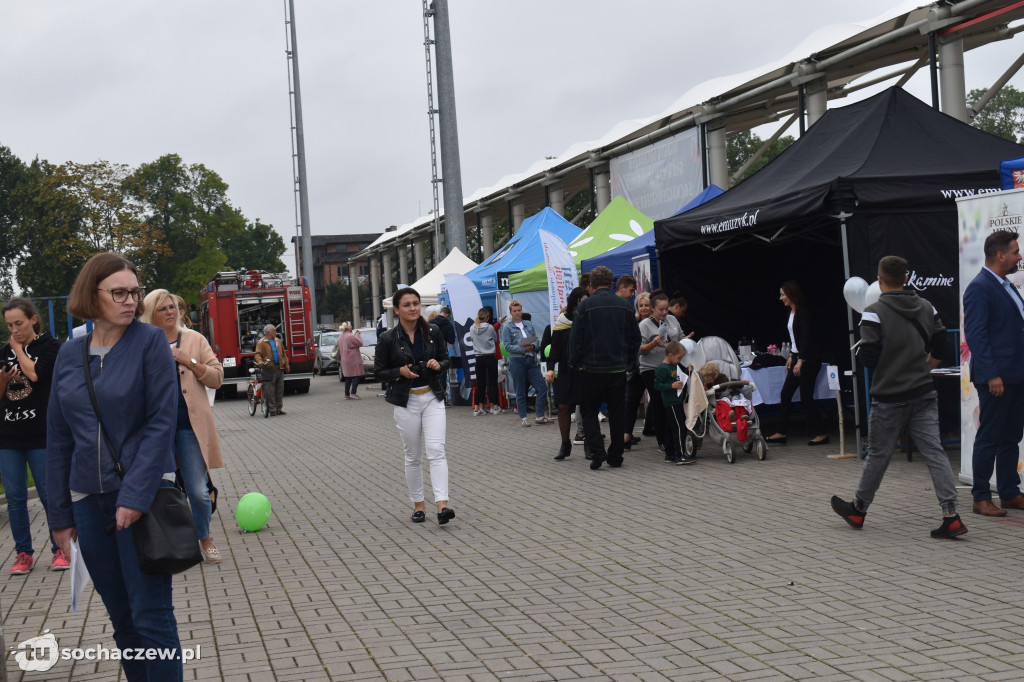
[[422, 420]]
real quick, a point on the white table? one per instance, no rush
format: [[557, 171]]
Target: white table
[[769, 384]]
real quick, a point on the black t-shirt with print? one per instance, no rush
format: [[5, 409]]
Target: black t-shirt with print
[[23, 404]]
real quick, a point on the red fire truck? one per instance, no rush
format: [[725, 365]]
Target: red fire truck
[[235, 308]]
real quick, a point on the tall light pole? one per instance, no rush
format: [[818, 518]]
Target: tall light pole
[[299, 155], [454, 220]]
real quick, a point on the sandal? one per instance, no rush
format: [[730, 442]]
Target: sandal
[[211, 555]]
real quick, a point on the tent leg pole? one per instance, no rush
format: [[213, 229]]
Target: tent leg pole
[[852, 337]]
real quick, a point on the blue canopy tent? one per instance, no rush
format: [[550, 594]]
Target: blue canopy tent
[[620, 260], [522, 251]]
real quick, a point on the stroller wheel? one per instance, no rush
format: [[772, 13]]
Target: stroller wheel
[[730, 454], [761, 449], [691, 444]]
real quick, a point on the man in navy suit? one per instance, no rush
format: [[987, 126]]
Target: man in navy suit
[[994, 332]]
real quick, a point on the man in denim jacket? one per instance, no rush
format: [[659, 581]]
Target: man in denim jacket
[[522, 364]]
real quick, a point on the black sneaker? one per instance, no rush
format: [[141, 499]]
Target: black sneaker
[[578, 440], [683, 459], [849, 512], [951, 527]]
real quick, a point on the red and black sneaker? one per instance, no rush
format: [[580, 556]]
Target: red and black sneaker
[[849, 512], [951, 527]]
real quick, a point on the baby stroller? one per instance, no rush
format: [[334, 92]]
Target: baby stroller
[[715, 349]]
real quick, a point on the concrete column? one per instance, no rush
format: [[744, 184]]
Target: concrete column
[[353, 278], [602, 187], [953, 87], [403, 264], [556, 197], [417, 256], [375, 286], [816, 100], [389, 285], [518, 214], [487, 234], [718, 161]]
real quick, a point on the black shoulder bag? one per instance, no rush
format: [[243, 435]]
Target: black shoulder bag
[[165, 536]]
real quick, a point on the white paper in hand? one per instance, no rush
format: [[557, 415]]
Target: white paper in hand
[[79, 575], [680, 376]]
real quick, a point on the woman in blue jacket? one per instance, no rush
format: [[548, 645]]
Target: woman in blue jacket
[[133, 375]]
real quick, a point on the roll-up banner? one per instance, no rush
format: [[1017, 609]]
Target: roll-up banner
[[464, 299], [562, 277], [979, 217]]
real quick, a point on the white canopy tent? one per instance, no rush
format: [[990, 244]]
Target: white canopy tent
[[429, 286]]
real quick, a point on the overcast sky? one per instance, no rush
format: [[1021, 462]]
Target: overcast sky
[[130, 80]]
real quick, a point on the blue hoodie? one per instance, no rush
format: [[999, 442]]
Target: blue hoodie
[[138, 395]]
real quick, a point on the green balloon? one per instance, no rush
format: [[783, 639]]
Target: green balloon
[[252, 511]]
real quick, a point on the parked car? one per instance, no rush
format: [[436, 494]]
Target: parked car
[[324, 342], [369, 335]]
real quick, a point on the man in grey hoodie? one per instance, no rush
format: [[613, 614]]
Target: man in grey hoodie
[[901, 340]]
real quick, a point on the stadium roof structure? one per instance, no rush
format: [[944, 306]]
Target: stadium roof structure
[[840, 58]]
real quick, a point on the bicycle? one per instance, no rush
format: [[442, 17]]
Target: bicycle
[[254, 393]]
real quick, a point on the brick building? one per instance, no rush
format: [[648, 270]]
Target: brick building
[[330, 258]]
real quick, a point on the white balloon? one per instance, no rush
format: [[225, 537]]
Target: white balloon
[[874, 291], [694, 354], [854, 291]]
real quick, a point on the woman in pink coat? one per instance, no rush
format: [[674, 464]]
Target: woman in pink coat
[[351, 359]]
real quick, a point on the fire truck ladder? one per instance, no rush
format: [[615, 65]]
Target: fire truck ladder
[[295, 318]]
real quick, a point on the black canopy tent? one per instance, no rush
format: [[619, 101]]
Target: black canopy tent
[[869, 179]]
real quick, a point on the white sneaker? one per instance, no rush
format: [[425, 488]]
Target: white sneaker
[[526, 421], [496, 410], [478, 411], [601, 417]]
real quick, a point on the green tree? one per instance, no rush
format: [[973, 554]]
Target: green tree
[[337, 301], [258, 248], [12, 174], [51, 252], [1003, 115], [106, 219], [743, 145], [189, 206], [580, 202]]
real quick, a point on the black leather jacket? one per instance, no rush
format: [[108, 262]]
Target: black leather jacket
[[394, 352]]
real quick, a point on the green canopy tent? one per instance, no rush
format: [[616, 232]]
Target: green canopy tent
[[617, 224]]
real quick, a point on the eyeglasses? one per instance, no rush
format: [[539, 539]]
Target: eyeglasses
[[166, 308], [121, 295]]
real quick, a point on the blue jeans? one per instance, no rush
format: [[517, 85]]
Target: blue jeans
[[351, 385], [14, 466], [525, 369], [141, 606], [995, 444], [194, 473]]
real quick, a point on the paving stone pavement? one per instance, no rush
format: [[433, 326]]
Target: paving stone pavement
[[551, 571]]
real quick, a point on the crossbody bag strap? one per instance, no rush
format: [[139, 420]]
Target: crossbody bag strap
[[118, 469]]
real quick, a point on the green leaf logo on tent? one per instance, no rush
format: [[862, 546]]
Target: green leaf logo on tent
[[618, 223]]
